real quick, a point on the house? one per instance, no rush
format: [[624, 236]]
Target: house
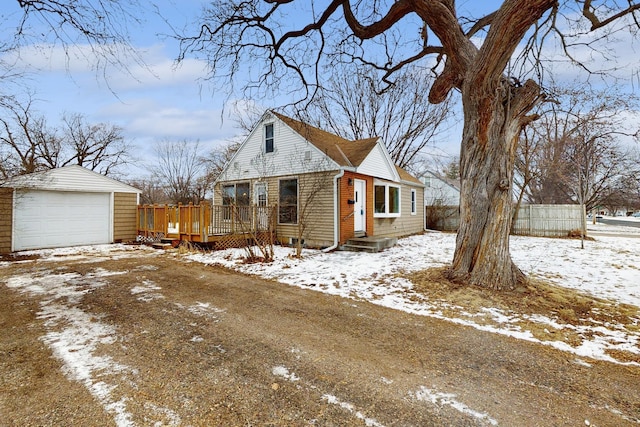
[[442, 201], [62, 207], [327, 189], [439, 190]]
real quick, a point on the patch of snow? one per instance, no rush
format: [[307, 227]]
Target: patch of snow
[[146, 289], [581, 362], [173, 418], [449, 399], [93, 252], [281, 371], [204, 309], [74, 335], [350, 408]]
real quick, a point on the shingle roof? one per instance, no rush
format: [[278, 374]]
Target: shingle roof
[[406, 176], [342, 151]]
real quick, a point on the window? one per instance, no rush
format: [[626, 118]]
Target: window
[[414, 202], [394, 200], [288, 201], [268, 138], [228, 194], [380, 199], [236, 195], [386, 201]]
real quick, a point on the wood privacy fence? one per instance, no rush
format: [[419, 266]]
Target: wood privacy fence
[[204, 223], [532, 220], [549, 220]]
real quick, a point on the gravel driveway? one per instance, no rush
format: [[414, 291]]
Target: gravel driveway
[[144, 338]]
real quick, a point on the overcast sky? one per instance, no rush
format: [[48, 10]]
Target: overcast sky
[[161, 101]]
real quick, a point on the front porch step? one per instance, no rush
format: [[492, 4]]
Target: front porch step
[[370, 244]]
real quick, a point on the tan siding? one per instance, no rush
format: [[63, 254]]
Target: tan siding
[[6, 219], [319, 212], [320, 231], [124, 216], [406, 224], [319, 216]]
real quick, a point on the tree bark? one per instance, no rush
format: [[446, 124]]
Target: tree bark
[[494, 117]]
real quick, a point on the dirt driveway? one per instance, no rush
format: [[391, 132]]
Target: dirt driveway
[[139, 338]]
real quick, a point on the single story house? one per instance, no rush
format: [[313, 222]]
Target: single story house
[[67, 206], [324, 188]]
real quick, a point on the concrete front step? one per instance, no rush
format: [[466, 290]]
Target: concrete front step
[[359, 248], [369, 244]]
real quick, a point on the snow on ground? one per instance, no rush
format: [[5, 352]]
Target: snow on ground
[[608, 267], [74, 335], [449, 399]]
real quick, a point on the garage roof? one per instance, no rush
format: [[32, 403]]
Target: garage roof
[[69, 178]]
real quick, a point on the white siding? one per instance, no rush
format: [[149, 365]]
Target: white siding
[[292, 155], [378, 164], [70, 178], [438, 192]]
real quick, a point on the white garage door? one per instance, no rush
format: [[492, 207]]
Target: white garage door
[[52, 219]]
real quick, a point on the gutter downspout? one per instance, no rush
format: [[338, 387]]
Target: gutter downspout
[[336, 213]]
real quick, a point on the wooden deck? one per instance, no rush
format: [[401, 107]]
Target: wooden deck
[[217, 225]]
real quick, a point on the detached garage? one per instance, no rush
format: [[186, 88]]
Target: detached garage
[[68, 206]]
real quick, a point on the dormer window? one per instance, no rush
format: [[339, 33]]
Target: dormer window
[[268, 138]]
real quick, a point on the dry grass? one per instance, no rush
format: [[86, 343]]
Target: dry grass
[[562, 305]]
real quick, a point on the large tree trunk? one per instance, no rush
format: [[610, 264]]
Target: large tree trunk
[[493, 120]]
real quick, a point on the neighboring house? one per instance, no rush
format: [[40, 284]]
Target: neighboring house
[[439, 190], [62, 207], [331, 188]]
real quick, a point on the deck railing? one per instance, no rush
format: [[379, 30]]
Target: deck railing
[[200, 222]]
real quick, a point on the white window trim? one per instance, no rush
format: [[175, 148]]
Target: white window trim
[[414, 202], [386, 213]]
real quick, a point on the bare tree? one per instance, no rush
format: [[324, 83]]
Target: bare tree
[[180, 170], [100, 147], [29, 144], [359, 106], [311, 185], [24, 136], [573, 152], [219, 157], [472, 56], [152, 192]]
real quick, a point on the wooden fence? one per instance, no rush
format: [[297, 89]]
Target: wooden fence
[[549, 220], [532, 220], [204, 223]]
